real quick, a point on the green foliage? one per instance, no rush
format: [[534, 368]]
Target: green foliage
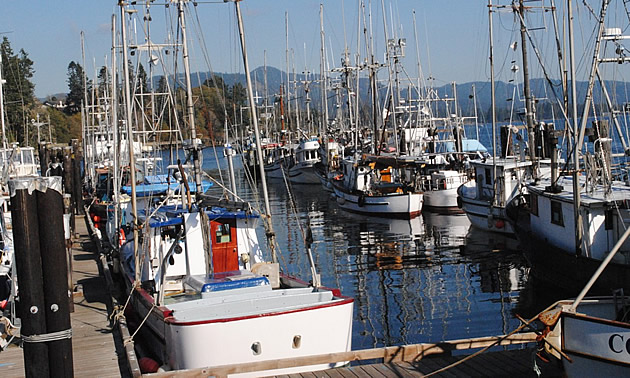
[[76, 87], [104, 81], [141, 86], [17, 70]]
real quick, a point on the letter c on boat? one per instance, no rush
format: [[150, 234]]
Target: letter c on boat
[[611, 342]]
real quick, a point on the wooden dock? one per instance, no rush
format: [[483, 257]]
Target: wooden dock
[[510, 363], [93, 339]]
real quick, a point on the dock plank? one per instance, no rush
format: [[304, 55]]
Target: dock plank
[[516, 363]]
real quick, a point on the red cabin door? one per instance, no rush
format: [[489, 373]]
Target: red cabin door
[[224, 246]]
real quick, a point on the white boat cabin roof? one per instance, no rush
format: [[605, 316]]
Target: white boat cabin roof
[[596, 198]]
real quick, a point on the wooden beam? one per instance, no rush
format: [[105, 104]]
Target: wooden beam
[[403, 353]]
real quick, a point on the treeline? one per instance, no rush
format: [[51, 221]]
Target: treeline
[[22, 107]]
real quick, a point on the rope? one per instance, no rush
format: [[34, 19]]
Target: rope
[[130, 339], [525, 324], [47, 337]]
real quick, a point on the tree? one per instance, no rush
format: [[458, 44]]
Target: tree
[[77, 88], [104, 81], [17, 70], [141, 86]]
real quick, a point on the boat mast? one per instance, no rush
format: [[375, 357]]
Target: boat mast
[[270, 233], [322, 71], [189, 101], [493, 107], [373, 88], [114, 104], [288, 91], [529, 108], [4, 134], [132, 160], [576, 137]]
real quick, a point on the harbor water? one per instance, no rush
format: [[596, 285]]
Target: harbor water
[[428, 279]]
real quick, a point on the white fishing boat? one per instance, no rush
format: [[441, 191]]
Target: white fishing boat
[[485, 207], [280, 158], [441, 195], [594, 335], [379, 185], [585, 220], [306, 157], [218, 304], [207, 293]]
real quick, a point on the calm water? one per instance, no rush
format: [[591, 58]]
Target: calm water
[[429, 279]]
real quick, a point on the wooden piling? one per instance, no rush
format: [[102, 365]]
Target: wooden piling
[[77, 194], [31, 306], [68, 182], [43, 158], [55, 268]]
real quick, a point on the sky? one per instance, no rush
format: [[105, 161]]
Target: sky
[[452, 35]]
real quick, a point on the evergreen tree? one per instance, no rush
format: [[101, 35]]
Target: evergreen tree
[[76, 87], [104, 81], [142, 86], [17, 70]]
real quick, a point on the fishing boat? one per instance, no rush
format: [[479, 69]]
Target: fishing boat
[[581, 222], [207, 293], [303, 170], [572, 220], [379, 185], [484, 199]]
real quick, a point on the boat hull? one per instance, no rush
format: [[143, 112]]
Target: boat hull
[[320, 328], [303, 175], [401, 205], [596, 346], [325, 329], [442, 201], [485, 217], [568, 271]]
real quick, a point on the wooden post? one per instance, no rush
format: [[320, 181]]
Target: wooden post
[[43, 158], [55, 268], [68, 184], [67, 214], [31, 307], [77, 160]]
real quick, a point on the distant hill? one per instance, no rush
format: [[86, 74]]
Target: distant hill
[[504, 91]]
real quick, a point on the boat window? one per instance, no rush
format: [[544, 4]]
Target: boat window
[[488, 178], [608, 220], [533, 206], [223, 233], [556, 213]]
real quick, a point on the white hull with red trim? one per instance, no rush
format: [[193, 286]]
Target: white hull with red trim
[[250, 325], [242, 310]]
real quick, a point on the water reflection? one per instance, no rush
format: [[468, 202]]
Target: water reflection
[[427, 279]]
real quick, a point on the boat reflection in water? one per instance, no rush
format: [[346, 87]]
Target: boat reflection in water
[[428, 279]]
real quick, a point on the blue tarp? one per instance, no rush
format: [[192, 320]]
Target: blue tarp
[[468, 145], [145, 190]]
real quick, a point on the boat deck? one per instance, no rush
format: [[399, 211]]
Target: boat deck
[[511, 363], [93, 341]]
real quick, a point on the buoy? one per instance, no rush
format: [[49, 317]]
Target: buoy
[[121, 238], [148, 365]]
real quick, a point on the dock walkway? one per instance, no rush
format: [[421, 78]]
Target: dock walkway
[[93, 342], [511, 363]]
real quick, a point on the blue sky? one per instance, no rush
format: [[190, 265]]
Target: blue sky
[[453, 35]]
